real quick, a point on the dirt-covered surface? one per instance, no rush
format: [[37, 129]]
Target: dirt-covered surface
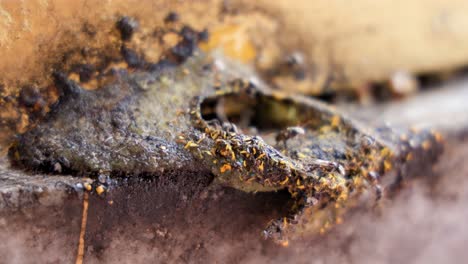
[[158, 222], [183, 220]]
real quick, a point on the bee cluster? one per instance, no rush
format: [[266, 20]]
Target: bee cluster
[[351, 161]]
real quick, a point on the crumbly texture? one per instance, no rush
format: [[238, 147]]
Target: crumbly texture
[[150, 122], [331, 165]]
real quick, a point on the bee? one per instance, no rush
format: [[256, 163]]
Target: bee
[[230, 127], [374, 177], [288, 133]]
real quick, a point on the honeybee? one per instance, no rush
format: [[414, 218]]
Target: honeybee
[[288, 133]]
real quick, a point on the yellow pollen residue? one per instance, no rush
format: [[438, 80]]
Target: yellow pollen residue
[[286, 180], [261, 166], [325, 129], [214, 135], [201, 139], [357, 181], [426, 145], [87, 186], [335, 121], [387, 165], [385, 152], [225, 167], [100, 190], [225, 152], [190, 144], [233, 40], [301, 156], [298, 182], [438, 137]]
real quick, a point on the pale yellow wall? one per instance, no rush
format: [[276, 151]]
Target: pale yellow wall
[[367, 38], [373, 38]]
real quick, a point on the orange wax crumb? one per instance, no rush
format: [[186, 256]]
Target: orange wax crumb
[[225, 167]]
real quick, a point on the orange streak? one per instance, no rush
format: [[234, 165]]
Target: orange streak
[[81, 242]]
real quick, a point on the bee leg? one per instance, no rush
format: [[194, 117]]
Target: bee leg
[[379, 192]]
